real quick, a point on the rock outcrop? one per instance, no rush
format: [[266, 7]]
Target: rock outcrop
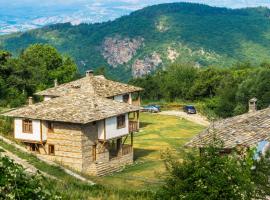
[[147, 65], [118, 51], [172, 54]]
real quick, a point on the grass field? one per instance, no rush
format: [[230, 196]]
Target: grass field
[[157, 133]]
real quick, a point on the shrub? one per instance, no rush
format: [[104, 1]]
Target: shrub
[[15, 183], [212, 176]]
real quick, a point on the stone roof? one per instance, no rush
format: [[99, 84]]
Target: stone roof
[[247, 129], [100, 85], [75, 108]]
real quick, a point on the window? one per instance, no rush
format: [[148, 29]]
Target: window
[[121, 121], [51, 149], [27, 126], [50, 127], [34, 147], [126, 98]]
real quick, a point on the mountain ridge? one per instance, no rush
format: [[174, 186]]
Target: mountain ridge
[[156, 36]]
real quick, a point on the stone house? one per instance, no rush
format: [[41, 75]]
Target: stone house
[[248, 130], [87, 124]]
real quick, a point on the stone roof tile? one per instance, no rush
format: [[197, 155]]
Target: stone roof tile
[[247, 129], [75, 108], [100, 85]]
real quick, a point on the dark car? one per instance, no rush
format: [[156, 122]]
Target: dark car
[[189, 109]]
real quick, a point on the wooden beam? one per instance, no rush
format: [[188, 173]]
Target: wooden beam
[[131, 139], [125, 139]]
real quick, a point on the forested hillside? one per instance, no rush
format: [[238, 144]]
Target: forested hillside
[[156, 36], [220, 92]]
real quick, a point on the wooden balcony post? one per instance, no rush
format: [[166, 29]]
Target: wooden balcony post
[[131, 139], [139, 99], [138, 119]]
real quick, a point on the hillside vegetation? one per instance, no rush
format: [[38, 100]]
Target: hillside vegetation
[[156, 36], [221, 92]]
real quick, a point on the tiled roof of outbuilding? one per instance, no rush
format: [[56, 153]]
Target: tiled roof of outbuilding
[[101, 86], [247, 129]]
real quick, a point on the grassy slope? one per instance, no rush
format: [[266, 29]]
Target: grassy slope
[[227, 35], [158, 133]]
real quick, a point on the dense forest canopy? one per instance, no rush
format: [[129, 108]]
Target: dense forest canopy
[[181, 32]]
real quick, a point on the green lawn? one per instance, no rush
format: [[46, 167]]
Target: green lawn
[[158, 132]]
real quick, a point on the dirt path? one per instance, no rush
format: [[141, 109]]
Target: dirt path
[[196, 118]]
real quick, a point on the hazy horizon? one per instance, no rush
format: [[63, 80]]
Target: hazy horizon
[[21, 15]]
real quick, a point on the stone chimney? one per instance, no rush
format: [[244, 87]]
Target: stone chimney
[[55, 82], [89, 73], [30, 101], [252, 105]]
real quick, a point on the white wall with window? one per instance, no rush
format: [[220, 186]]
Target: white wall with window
[[114, 127], [123, 98], [28, 130]]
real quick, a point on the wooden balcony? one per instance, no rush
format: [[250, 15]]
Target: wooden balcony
[[133, 126], [116, 154], [136, 102]]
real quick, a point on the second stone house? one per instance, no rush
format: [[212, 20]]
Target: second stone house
[[87, 124]]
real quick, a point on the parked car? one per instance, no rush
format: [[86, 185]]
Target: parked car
[[151, 108], [157, 106], [189, 109]]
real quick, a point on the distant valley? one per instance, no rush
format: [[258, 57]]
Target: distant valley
[[157, 36]]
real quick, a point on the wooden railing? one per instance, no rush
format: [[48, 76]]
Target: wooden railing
[[126, 149], [133, 126], [136, 102]]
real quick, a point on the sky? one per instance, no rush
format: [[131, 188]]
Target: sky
[[131, 3], [21, 15]]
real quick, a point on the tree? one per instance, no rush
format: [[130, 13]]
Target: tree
[[47, 64], [212, 176], [34, 69]]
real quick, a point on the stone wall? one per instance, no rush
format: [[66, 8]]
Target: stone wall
[[89, 138], [113, 165], [67, 141], [74, 145]]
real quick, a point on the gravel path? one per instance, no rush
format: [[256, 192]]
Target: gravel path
[[196, 118]]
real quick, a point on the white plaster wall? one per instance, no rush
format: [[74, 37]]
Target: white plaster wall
[[130, 99], [111, 128], [18, 133], [101, 135], [118, 98], [44, 131]]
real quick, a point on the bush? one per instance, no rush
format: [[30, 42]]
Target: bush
[[6, 126], [16, 184], [212, 176]]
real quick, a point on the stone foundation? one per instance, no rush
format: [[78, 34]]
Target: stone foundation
[[113, 165]]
